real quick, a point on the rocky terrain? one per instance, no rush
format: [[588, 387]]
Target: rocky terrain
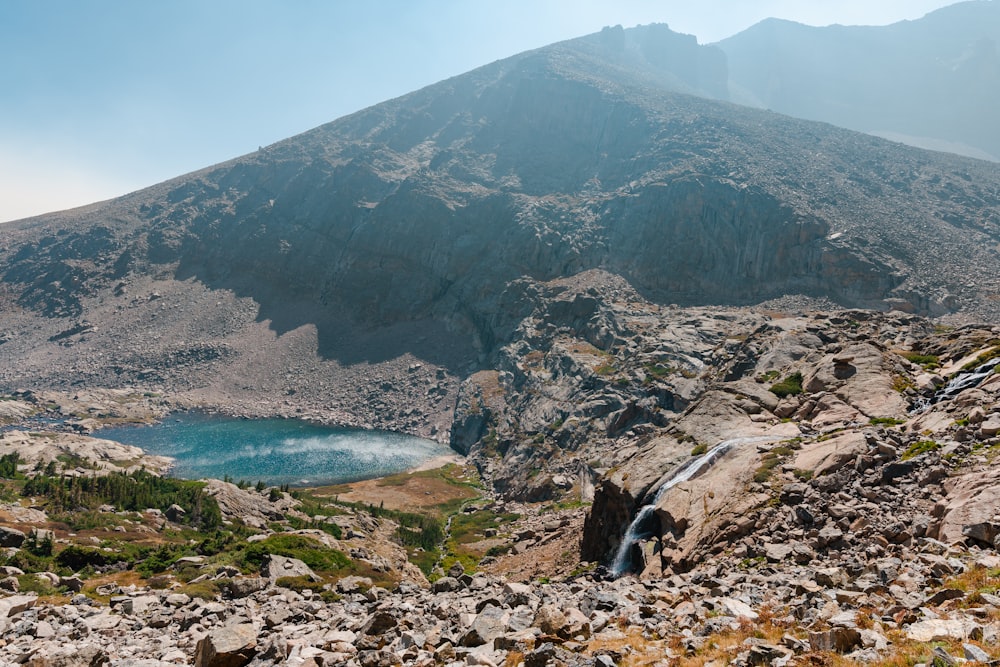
[[860, 521], [684, 347]]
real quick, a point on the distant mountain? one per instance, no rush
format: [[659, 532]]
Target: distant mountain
[[933, 82], [441, 207]]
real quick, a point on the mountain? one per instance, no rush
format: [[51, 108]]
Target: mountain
[[932, 82], [417, 226], [623, 301]]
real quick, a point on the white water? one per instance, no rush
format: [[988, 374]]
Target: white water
[[684, 472], [959, 383]]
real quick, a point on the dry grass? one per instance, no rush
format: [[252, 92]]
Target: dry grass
[[976, 580], [638, 650]]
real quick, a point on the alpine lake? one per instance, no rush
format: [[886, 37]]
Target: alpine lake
[[276, 451]]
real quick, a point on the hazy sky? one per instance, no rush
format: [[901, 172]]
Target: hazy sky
[[103, 97]]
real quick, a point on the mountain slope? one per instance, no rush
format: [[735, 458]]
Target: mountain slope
[[430, 210], [933, 82]]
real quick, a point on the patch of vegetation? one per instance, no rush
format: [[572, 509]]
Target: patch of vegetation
[[76, 558], [8, 466], [918, 448], [885, 421], [802, 474], [499, 550], [927, 361], [134, 491], [769, 376], [605, 369], [699, 449], [790, 386], [658, 371], [770, 460], [306, 549], [901, 383], [989, 355], [468, 528]]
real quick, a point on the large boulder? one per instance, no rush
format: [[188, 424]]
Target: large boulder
[[971, 508], [827, 456], [228, 646], [276, 567]]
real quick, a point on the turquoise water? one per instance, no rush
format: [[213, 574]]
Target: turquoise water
[[276, 451]]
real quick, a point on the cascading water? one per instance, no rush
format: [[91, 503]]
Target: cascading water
[[639, 529], [957, 384]]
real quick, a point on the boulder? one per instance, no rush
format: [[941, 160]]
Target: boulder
[[939, 629], [991, 427], [550, 619], [970, 508], [489, 624], [275, 567], [831, 455], [228, 646], [11, 537], [245, 586], [841, 640]]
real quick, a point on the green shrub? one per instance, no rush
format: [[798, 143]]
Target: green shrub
[[76, 557], [699, 449], [306, 549], [498, 550], [790, 386], [885, 421], [928, 361], [918, 448]]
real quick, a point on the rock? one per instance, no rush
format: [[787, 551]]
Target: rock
[[446, 585], [736, 608], [933, 630], [228, 646], [828, 456], [275, 567], [379, 623], [541, 656], [841, 640], [970, 508], [550, 619], [777, 553], [975, 653], [991, 427], [11, 537], [489, 624], [244, 586], [353, 584], [12, 605], [941, 658], [175, 513], [88, 655]]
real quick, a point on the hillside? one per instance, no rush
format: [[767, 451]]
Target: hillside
[[586, 279], [424, 212], [932, 82]]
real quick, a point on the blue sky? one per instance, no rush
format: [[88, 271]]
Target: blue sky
[[103, 97]]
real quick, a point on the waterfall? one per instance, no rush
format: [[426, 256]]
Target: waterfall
[[957, 384], [638, 529]]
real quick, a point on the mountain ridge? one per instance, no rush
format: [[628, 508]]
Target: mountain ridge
[[929, 82]]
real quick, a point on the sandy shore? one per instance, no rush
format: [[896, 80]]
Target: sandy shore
[[438, 462]]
